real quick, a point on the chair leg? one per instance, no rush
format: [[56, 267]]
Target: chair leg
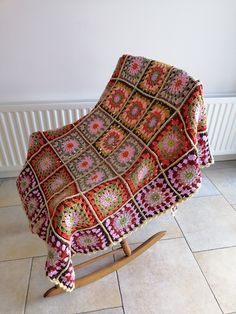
[[126, 248]]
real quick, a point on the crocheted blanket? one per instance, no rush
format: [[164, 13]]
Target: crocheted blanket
[[138, 153]]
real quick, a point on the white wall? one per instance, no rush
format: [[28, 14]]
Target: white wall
[[67, 49]]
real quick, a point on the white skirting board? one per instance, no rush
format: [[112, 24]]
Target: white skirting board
[[18, 121]]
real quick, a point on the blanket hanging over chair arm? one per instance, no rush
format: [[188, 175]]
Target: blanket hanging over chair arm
[[138, 153]]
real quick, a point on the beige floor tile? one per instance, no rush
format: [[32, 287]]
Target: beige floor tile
[[225, 181], [8, 193], [101, 294], [167, 280], [14, 283], [219, 269], [206, 189], [16, 239], [117, 310], [164, 222], [207, 222]]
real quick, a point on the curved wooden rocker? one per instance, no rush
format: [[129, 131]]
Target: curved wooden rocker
[[129, 256]]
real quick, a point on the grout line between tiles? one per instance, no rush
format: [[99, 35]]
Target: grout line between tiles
[[221, 194], [231, 164], [208, 283], [118, 281], [7, 206], [121, 296], [22, 258], [140, 242], [166, 239], [107, 308], [215, 249], [206, 195], [26, 297], [200, 268]]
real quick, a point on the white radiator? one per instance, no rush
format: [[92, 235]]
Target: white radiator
[[221, 114], [18, 121]]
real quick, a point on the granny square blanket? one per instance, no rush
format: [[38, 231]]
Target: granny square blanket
[[138, 153]]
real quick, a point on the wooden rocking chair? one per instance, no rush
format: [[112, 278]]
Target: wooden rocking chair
[[129, 256]]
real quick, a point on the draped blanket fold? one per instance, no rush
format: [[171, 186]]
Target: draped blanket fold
[[137, 154]]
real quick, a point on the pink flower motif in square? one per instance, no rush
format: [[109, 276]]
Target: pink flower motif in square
[[84, 164], [135, 66], [96, 177], [70, 146], [179, 83], [95, 126], [126, 154]]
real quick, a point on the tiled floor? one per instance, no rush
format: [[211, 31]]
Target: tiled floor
[[190, 271]]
